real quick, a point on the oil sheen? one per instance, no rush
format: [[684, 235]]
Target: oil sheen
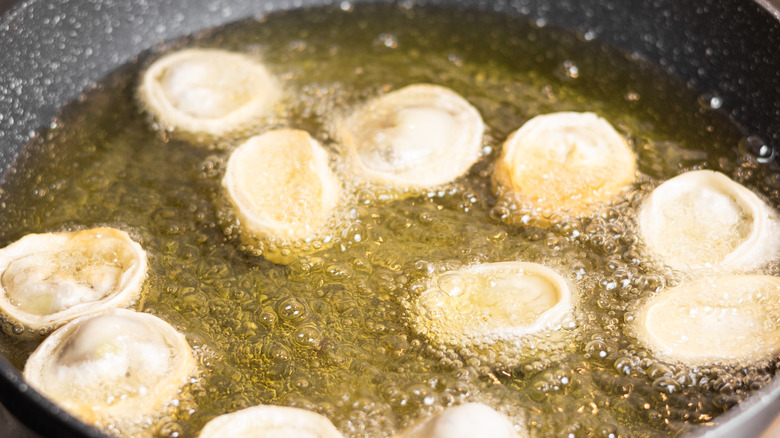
[[333, 331]]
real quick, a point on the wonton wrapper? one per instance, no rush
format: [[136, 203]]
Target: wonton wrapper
[[727, 319], [491, 302], [207, 91], [49, 279], [270, 422], [470, 420], [417, 137], [119, 367], [703, 219], [281, 187], [565, 161]]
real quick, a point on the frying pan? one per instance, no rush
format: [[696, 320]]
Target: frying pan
[[50, 50]]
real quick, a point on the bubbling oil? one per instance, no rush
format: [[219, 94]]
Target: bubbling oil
[[331, 332]]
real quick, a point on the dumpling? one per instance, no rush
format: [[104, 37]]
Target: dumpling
[[721, 319], [470, 420], [49, 279], [119, 367], [564, 161], [417, 137], [270, 422], [703, 219], [489, 302], [281, 188], [208, 92]]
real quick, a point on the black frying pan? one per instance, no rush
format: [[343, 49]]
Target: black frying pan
[[50, 50]]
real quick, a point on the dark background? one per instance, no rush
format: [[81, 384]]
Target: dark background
[[5, 4]]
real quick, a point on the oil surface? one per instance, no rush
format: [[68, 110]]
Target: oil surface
[[332, 331]]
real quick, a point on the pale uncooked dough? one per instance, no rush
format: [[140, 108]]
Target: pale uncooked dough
[[719, 319], [49, 279], [281, 186], [417, 137], [491, 302], [470, 420], [115, 367], [566, 161], [208, 92], [270, 422], [703, 219]]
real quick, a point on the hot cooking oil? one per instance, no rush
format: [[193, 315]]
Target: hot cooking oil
[[332, 332]]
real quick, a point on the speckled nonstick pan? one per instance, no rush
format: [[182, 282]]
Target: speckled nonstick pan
[[50, 50]]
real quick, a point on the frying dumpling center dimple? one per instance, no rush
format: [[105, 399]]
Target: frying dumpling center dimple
[[281, 186], [413, 136], [725, 319], [208, 91], [703, 219], [271, 422], [205, 89], [416, 137], [115, 366], [493, 301], [49, 279], [564, 161], [41, 284]]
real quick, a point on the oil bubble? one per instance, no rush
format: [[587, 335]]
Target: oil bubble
[[169, 429], [388, 40], [309, 336], [420, 395], [666, 385], [567, 71], [279, 353], [268, 318], [758, 149], [292, 310], [656, 370], [18, 329], [597, 349], [456, 59], [299, 383], [710, 101]]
